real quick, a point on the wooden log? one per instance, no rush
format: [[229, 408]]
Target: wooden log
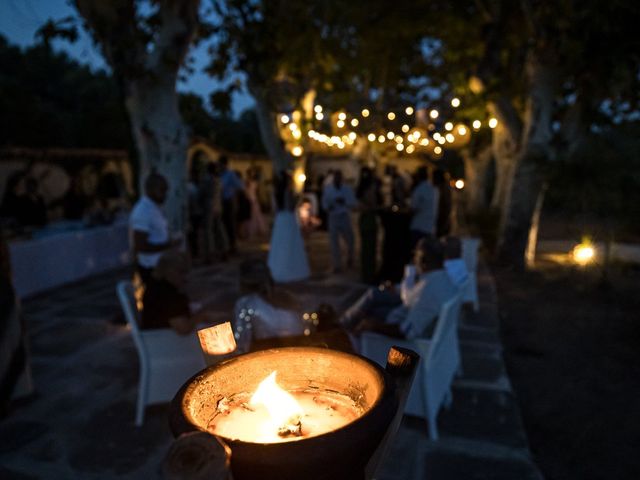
[[402, 365], [197, 456]]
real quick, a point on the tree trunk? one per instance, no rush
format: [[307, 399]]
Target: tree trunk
[[161, 140], [269, 133], [475, 175], [532, 242], [520, 202]]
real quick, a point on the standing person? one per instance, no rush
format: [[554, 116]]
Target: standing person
[[196, 213], [338, 200], [256, 224], [215, 235], [399, 188], [287, 257], [370, 200], [424, 204], [149, 227], [443, 222], [231, 184]]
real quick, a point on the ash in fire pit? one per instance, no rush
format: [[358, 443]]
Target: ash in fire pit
[[272, 414]]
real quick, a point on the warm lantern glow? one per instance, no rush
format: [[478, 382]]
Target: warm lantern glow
[[459, 184], [365, 112], [391, 116], [297, 151], [493, 123], [448, 126], [217, 340], [434, 114], [354, 122], [408, 110], [371, 137], [405, 128], [583, 253], [284, 119], [476, 124], [455, 102]]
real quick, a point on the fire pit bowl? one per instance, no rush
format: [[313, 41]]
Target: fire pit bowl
[[337, 454]]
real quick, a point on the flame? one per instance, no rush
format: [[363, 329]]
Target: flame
[[583, 253], [281, 406]]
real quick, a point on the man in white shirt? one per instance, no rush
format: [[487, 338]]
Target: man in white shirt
[[338, 199], [453, 263], [424, 204], [411, 312], [149, 227]]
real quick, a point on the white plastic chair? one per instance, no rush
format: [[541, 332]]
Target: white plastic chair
[[470, 246], [439, 363], [167, 359]]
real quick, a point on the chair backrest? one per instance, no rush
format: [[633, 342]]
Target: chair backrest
[[470, 246], [130, 310], [443, 359]]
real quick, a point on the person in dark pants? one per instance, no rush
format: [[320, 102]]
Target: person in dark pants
[[231, 185], [370, 199]]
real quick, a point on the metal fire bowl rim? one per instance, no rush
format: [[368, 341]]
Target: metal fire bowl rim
[[181, 424]]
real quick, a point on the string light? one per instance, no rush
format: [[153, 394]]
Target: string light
[[437, 150], [455, 102], [390, 135], [493, 123], [410, 149], [319, 116], [398, 139], [399, 147], [405, 128], [476, 124], [436, 136], [441, 140], [371, 137], [297, 151], [459, 184], [340, 123], [408, 110], [449, 137], [293, 127], [352, 136], [462, 130], [433, 114], [317, 108], [381, 139], [342, 116], [354, 122], [284, 118], [424, 142], [448, 126], [365, 112], [296, 134], [391, 116]]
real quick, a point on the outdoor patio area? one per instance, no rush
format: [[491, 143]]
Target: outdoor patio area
[[79, 423]]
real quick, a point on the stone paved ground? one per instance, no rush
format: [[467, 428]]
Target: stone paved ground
[[79, 423]]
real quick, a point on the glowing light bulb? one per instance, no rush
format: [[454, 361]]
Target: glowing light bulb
[[354, 122], [455, 102], [462, 130], [442, 140], [399, 147], [390, 135], [448, 126], [493, 123], [410, 149], [297, 151], [437, 150], [371, 137], [459, 184], [398, 139], [476, 124], [408, 110], [391, 116], [284, 118], [449, 137], [424, 142], [317, 108], [342, 116], [405, 128], [365, 112], [319, 116], [340, 123], [434, 114], [352, 136], [381, 139]]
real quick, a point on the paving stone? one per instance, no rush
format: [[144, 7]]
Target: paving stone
[[455, 466], [15, 435], [491, 416]]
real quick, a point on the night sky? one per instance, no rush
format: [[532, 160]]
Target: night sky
[[20, 19]]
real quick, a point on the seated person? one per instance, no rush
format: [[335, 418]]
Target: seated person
[[410, 312], [165, 305], [453, 262], [261, 311]]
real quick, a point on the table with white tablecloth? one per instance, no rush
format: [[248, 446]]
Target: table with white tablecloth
[[58, 256]]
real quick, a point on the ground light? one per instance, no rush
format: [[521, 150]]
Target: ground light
[[583, 253]]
